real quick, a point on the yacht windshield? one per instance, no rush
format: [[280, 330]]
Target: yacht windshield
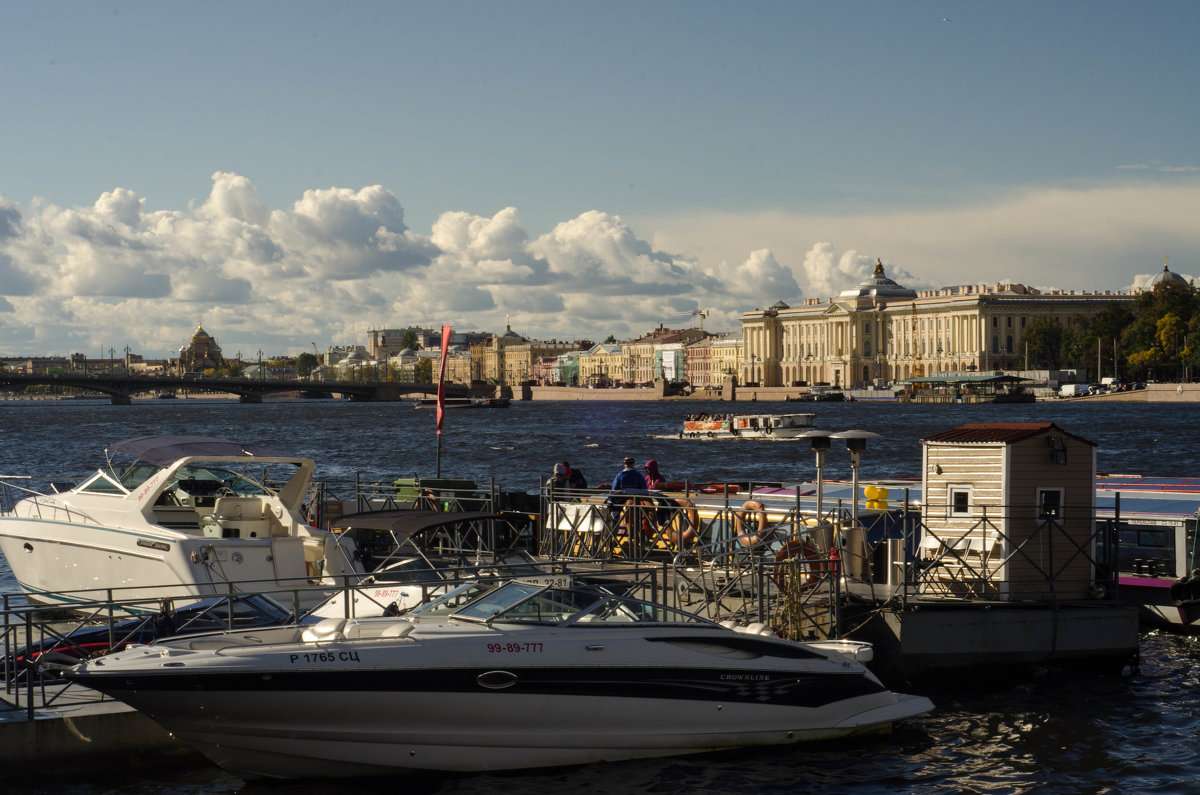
[[534, 603]]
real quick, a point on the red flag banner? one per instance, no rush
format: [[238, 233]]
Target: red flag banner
[[441, 395]]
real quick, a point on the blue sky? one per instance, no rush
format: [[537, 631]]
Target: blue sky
[[574, 169]]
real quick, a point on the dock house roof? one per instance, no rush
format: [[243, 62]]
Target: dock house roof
[[999, 432]]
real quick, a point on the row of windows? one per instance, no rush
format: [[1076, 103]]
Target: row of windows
[[959, 502]]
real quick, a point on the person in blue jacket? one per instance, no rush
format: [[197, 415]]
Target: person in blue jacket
[[629, 478], [627, 481]]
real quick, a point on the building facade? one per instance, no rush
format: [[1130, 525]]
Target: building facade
[[882, 332]]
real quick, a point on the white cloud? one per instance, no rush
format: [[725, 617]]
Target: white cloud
[[1160, 167], [1083, 238], [340, 261]]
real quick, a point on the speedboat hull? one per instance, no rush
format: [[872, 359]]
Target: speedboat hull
[[372, 733], [291, 702]]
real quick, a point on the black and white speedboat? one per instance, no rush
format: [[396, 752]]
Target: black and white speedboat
[[491, 678]]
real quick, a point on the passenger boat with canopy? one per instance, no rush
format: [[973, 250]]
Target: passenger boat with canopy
[[746, 426]]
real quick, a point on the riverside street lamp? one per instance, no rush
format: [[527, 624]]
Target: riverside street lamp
[[856, 443]]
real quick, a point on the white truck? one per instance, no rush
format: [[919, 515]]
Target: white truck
[[1072, 390]]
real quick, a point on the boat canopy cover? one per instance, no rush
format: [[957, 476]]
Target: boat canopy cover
[[409, 521], [164, 450]]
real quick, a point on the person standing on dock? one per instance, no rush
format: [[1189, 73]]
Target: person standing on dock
[[575, 477], [654, 478], [629, 478], [557, 482]]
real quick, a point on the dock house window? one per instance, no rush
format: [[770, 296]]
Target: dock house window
[[959, 500], [1050, 503]]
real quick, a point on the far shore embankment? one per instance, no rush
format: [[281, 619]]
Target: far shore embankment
[[1153, 393]]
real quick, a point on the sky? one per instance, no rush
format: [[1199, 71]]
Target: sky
[[297, 173]]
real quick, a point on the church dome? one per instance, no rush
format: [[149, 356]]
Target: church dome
[[200, 334], [1166, 277], [879, 286]]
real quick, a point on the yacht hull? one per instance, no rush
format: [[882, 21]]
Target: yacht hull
[[478, 699]]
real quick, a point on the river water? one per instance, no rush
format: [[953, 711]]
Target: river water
[[1052, 733]]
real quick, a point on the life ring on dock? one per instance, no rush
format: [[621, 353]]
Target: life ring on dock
[[812, 563], [751, 510], [685, 524], [769, 430], [710, 434]]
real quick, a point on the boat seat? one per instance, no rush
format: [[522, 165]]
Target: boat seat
[[244, 514], [324, 631]]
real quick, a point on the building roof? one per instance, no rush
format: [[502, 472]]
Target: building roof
[[999, 433], [1166, 277], [878, 286], [967, 378]]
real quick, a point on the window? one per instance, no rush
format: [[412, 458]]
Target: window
[[1008, 321], [995, 322], [1050, 503], [959, 500], [1008, 344], [995, 343]]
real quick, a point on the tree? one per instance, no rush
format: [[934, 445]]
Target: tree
[[409, 340], [1044, 337], [425, 370], [305, 364]]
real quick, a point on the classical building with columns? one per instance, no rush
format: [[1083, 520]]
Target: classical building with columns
[[881, 331]]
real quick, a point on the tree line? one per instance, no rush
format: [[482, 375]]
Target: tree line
[[1154, 338]]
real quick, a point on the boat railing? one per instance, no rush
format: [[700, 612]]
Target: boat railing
[[724, 562], [326, 502], [1011, 553], [43, 506], [38, 641]]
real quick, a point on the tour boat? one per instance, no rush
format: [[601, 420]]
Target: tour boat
[[186, 516], [746, 426], [464, 403], [491, 678]]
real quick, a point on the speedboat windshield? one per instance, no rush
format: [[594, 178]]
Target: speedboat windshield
[[534, 603]]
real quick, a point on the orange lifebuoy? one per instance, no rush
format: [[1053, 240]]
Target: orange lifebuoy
[[743, 516], [685, 524]]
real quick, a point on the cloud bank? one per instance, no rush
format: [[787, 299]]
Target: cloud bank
[[340, 261]]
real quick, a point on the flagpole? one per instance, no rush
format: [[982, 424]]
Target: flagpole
[[441, 395]]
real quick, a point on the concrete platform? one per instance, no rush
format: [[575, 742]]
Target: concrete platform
[[80, 733], [936, 637]]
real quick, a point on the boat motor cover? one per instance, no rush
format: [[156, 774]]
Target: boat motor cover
[[165, 450]]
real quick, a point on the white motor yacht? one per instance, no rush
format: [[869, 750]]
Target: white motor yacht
[[184, 516], [492, 678]]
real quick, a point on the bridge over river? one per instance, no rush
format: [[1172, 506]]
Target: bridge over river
[[121, 389]]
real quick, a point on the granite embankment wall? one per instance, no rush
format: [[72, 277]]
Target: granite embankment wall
[[1153, 393], [657, 392]]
